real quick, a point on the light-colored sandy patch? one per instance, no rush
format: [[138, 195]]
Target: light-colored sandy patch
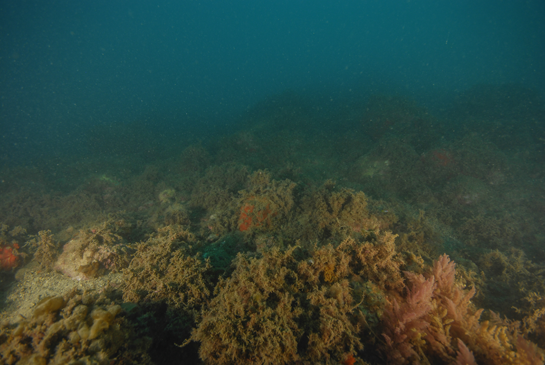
[[31, 286]]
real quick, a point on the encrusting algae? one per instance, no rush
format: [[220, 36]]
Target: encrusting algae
[[78, 328]]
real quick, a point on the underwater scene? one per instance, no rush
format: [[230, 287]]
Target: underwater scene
[[288, 182]]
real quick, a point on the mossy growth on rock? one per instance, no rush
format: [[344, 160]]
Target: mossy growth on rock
[[298, 304], [77, 328]]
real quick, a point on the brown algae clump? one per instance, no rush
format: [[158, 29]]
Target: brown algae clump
[[72, 328], [167, 196]]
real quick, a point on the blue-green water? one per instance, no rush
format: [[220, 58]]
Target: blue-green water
[[195, 66]]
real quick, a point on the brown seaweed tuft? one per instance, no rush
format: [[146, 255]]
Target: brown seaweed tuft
[[162, 270]]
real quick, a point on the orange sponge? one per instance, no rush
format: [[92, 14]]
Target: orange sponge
[[8, 258]]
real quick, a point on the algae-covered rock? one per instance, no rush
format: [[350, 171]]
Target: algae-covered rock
[[49, 305], [163, 270], [81, 261], [290, 306], [77, 328], [93, 253]]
